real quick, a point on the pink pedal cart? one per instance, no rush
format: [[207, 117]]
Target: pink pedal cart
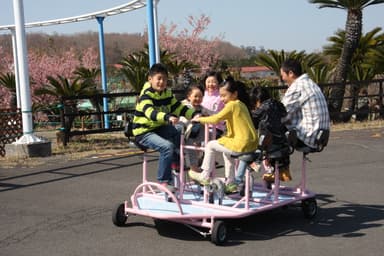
[[205, 209]]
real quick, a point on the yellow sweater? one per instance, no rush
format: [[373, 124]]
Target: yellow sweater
[[241, 135]]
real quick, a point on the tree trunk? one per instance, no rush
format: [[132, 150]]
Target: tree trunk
[[352, 37]]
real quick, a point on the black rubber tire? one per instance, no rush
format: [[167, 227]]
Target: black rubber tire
[[309, 207], [219, 234], [119, 218]]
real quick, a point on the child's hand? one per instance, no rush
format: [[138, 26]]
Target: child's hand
[[196, 118], [173, 120]]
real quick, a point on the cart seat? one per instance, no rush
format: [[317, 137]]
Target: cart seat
[[321, 142], [249, 157], [278, 151]]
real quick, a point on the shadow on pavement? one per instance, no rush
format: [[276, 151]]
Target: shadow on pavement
[[69, 171], [344, 220]]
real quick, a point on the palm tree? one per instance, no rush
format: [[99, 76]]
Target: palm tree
[[353, 28], [363, 61], [8, 81], [135, 67], [175, 68], [62, 86], [364, 57], [316, 67], [378, 59], [89, 76]]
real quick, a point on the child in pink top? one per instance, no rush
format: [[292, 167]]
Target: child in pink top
[[211, 99]]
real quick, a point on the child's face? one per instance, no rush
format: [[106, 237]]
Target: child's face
[[211, 83], [227, 96], [195, 97], [158, 82]]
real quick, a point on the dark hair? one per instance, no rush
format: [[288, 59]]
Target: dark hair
[[292, 65], [158, 68], [260, 94], [231, 85], [217, 75], [192, 87]]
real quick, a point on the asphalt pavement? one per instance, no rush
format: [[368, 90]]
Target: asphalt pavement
[[64, 208]]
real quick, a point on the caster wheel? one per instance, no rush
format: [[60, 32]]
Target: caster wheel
[[218, 190], [309, 207], [219, 233], [119, 218]]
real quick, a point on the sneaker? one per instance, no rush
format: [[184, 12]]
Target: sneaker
[[169, 186], [241, 189], [230, 188], [255, 167], [269, 177], [199, 177], [175, 166], [284, 175], [195, 169]]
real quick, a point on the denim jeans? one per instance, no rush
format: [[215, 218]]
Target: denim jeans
[[240, 171], [165, 140]]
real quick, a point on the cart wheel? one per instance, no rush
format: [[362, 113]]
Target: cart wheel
[[119, 218], [219, 233], [309, 207], [217, 187]]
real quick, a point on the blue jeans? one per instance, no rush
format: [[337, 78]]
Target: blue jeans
[[165, 140], [239, 178]]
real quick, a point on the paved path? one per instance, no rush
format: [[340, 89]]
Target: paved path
[[65, 209]]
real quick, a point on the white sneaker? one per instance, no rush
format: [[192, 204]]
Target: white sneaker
[[200, 177]]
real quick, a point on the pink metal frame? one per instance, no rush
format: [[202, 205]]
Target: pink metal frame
[[197, 211]]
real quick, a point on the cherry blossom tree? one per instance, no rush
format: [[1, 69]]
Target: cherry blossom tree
[[189, 45], [6, 66], [42, 65]]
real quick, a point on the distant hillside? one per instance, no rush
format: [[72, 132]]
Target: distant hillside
[[116, 44]]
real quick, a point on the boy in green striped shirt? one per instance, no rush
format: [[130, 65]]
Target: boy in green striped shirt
[[156, 114]]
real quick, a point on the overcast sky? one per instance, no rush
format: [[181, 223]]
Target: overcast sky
[[272, 24]]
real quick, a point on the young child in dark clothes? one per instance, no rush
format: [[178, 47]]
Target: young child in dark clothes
[[267, 118], [267, 114]]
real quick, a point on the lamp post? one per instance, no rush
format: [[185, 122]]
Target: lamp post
[[23, 75], [151, 33], [28, 144], [100, 20]]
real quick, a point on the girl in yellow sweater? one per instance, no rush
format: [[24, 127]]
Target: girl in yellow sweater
[[240, 135]]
